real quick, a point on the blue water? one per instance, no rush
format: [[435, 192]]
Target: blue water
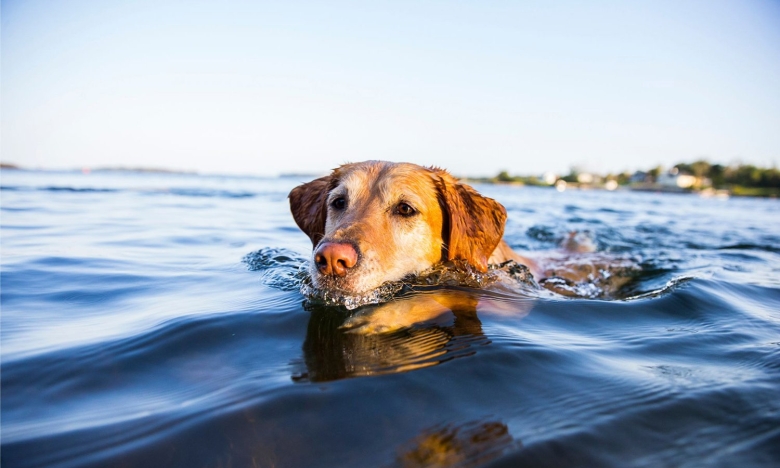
[[135, 333]]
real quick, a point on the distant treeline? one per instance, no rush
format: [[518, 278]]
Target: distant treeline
[[738, 179], [727, 176]]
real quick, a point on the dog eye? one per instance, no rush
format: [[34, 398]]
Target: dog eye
[[339, 203], [404, 209]]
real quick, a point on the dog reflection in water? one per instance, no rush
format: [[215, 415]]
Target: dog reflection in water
[[450, 329]]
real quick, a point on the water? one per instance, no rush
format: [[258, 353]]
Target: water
[[135, 333]]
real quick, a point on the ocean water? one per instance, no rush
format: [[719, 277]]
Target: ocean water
[[156, 320]]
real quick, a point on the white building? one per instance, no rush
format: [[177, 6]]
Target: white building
[[674, 178]]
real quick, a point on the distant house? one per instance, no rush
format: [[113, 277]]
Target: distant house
[[585, 178], [675, 178], [549, 178], [638, 177]]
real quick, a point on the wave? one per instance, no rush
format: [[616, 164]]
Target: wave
[[182, 192], [12, 188]]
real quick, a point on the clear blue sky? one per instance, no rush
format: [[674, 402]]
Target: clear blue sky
[[476, 87]]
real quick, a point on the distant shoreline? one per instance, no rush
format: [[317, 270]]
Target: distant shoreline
[[699, 177], [735, 191], [145, 170], [154, 170], [569, 182]]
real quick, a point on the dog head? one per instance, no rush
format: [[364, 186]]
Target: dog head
[[377, 221]]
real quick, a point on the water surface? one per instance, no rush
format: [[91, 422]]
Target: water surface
[[135, 333]]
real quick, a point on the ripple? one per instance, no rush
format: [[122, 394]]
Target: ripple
[[154, 373], [132, 335]]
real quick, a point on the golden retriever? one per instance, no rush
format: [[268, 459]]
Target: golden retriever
[[376, 221]]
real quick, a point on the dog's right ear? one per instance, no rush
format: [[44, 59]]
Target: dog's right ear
[[308, 204]]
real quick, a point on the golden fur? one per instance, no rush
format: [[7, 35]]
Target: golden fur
[[451, 221]]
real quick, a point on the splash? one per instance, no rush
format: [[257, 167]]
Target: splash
[[590, 275], [288, 271], [326, 297], [449, 274], [587, 276], [281, 269]]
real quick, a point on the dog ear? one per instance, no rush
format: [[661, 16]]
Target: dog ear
[[473, 224], [308, 204]]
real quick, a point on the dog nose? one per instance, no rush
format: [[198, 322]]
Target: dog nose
[[335, 259]]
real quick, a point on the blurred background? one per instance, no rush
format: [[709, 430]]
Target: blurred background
[[269, 88], [152, 312]]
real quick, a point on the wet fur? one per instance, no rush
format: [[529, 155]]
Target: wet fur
[[453, 222]]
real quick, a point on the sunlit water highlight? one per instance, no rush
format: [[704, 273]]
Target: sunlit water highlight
[[157, 320]]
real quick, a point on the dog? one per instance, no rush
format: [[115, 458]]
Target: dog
[[375, 222]]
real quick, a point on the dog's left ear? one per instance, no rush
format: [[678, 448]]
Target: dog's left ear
[[473, 224], [308, 207]]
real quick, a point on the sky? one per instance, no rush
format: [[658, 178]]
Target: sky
[[476, 87]]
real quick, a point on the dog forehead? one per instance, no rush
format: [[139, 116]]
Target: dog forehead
[[389, 181]]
